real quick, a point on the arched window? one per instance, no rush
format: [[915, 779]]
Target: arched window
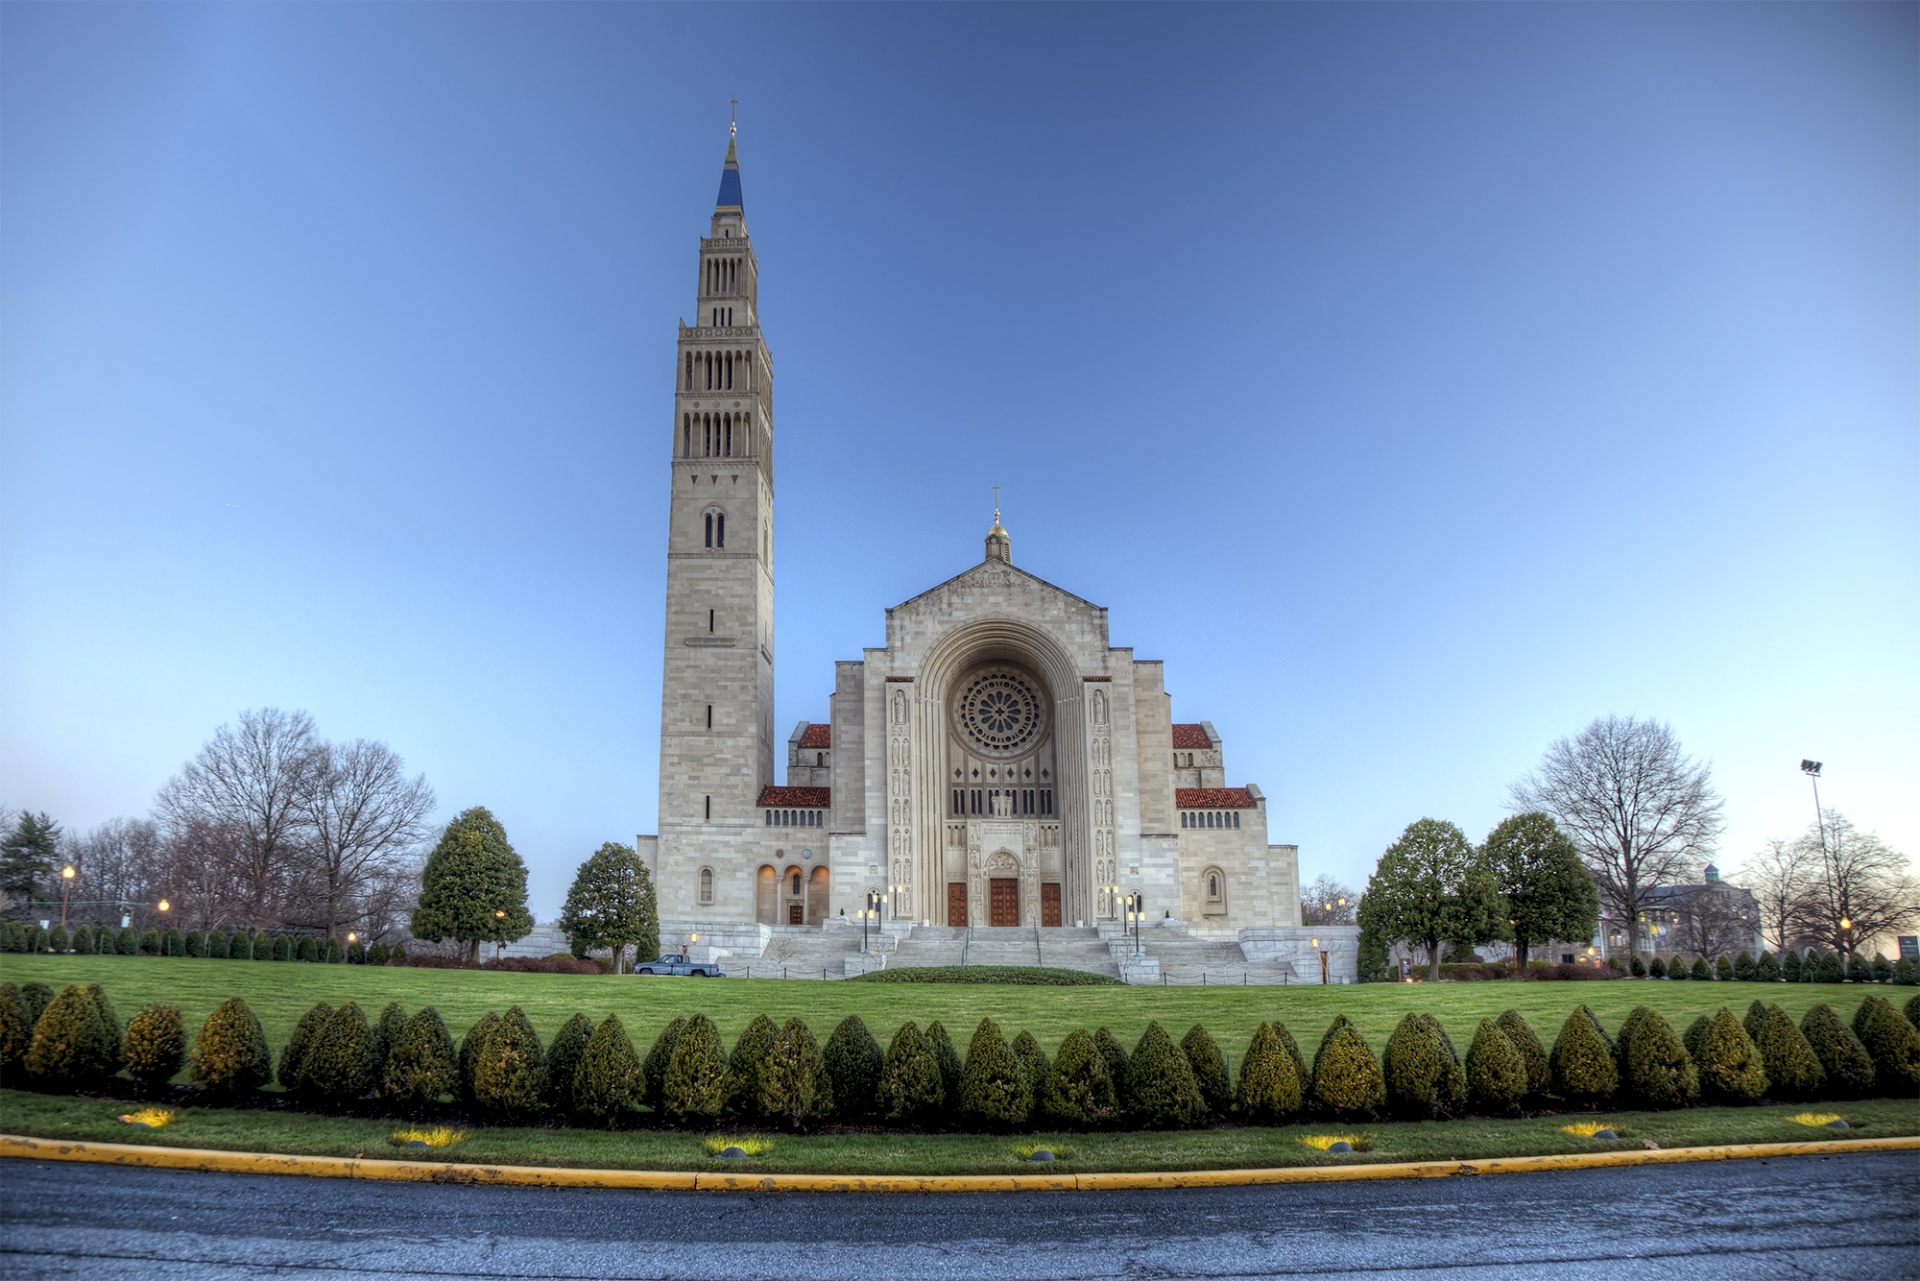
[[796, 881], [706, 885], [716, 528], [1213, 891]]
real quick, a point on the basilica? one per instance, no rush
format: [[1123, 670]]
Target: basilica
[[999, 762]]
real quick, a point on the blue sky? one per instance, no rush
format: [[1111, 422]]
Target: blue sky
[[1419, 382]]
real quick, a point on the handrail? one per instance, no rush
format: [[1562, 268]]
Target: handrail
[[966, 943], [1037, 958]]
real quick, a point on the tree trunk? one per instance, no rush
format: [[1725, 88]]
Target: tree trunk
[[1520, 955], [473, 951], [1433, 960]]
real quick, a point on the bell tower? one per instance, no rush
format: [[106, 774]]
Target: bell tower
[[716, 705]]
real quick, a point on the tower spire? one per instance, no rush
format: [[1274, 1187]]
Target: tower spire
[[729, 200], [999, 543]]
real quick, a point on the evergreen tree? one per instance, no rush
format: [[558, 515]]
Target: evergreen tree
[[793, 1085], [1209, 1069], [1732, 1069], [1549, 893], [1496, 1075], [510, 1074], [612, 905], [697, 1085], [1162, 1093], [16, 1033], [155, 1045], [386, 1034], [947, 1059], [1423, 1077], [853, 1069], [1849, 1068], [1655, 1069], [472, 1046], [995, 1093], [1432, 887], [1346, 1077], [1532, 1054], [749, 1060], [27, 855], [1892, 1043], [1115, 1055], [1585, 1069], [293, 1056], [1793, 1069], [474, 887], [653, 1070], [339, 1065], [563, 1060]]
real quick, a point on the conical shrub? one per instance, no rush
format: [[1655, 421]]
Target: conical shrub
[[1702, 969], [173, 943], [72, 1047], [82, 941], [853, 1069], [1533, 1055], [16, 1034], [1766, 968], [653, 1069], [748, 1060], [1496, 1074], [697, 1085], [1655, 1069], [1423, 1078], [386, 1034], [1270, 1088], [155, 1045], [948, 1059], [421, 1064], [793, 1085], [1849, 1068], [607, 1083], [230, 1056], [1583, 1066], [1791, 966], [293, 1056], [196, 945], [1346, 1077], [1912, 1009], [1657, 968], [1209, 1070], [1743, 968], [510, 1077], [1078, 1092], [1731, 1067], [1636, 966], [340, 1066], [1033, 1062], [472, 1046], [35, 997], [217, 945], [1892, 1043], [1162, 1093], [910, 1089], [1793, 1069], [1116, 1056], [994, 1091], [563, 1060]]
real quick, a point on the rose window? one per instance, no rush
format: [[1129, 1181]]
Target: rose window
[[1000, 713]]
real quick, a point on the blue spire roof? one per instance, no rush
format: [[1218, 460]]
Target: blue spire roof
[[729, 183]]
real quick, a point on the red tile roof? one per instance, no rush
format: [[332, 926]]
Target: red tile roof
[[817, 798], [1212, 798], [1191, 736], [817, 735]]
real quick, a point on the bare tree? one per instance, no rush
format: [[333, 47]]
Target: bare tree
[[1640, 812], [118, 866], [1865, 883], [1781, 877], [366, 818], [1328, 902], [250, 779]]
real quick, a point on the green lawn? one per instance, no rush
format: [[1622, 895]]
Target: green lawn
[[869, 1152], [279, 992]]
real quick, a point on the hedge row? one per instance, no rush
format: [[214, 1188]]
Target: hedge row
[[783, 1076], [1790, 967], [211, 944]]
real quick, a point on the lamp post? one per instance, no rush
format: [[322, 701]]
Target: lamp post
[[1113, 900], [894, 892], [499, 944], [1846, 937], [66, 892], [872, 909], [1137, 905], [1323, 963], [1812, 770]]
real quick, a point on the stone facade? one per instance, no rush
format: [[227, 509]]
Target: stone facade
[[997, 762]]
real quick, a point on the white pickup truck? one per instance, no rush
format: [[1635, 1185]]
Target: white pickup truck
[[677, 963]]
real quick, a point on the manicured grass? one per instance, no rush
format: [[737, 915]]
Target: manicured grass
[[280, 992], [866, 1152]]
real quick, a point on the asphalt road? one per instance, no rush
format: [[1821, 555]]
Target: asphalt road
[[1826, 1217]]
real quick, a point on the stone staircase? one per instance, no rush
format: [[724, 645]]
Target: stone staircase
[[1168, 956]]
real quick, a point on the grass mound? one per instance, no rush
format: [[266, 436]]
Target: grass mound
[[1016, 975]]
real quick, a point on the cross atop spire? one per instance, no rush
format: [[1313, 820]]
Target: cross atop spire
[[729, 200], [996, 502], [733, 121]]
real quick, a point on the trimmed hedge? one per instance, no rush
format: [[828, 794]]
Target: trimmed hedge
[[1270, 1085], [1793, 1069], [230, 1056], [793, 1085], [697, 1084], [1423, 1077], [1078, 1092], [910, 1089], [155, 1045], [853, 1069], [1731, 1068], [1346, 1077], [1115, 1055], [340, 1065], [1849, 1068], [472, 1045], [1533, 1055], [1585, 1073], [1014, 975], [510, 1073], [995, 1093], [1209, 1070], [306, 1033], [1655, 1069], [1162, 1092], [76, 1041], [748, 1061], [1496, 1074], [16, 1033], [607, 1083], [1766, 969], [1892, 1043], [653, 1069], [564, 1053], [421, 1064], [948, 1060]]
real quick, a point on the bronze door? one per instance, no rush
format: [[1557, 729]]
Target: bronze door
[[796, 914], [1003, 900], [1050, 904], [957, 904]]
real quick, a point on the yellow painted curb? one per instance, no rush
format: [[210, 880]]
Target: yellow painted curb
[[330, 1167]]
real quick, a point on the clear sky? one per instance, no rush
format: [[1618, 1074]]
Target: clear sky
[[1420, 382]]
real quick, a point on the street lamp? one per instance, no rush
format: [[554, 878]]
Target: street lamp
[[499, 944], [1323, 963], [1113, 899], [66, 892], [872, 910], [1137, 906], [894, 892]]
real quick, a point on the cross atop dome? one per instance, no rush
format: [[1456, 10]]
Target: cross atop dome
[[999, 544]]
